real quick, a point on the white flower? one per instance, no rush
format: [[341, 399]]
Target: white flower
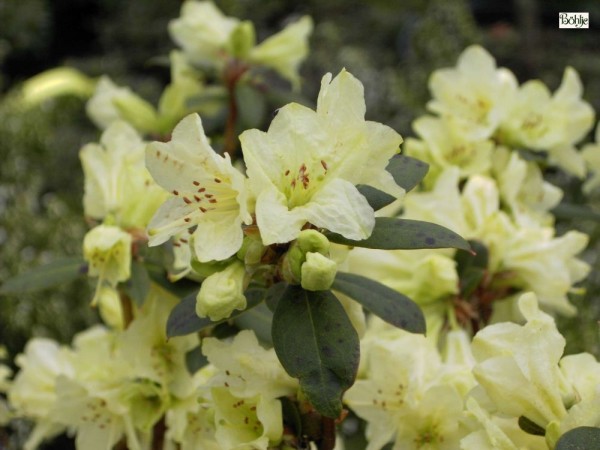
[[305, 168], [440, 147], [475, 96], [554, 123], [107, 250], [518, 366], [207, 192], [33, 391], [117, 184], [246, 368]]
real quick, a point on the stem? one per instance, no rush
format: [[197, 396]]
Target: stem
[[232, 74], [158, 434], [328, 440]]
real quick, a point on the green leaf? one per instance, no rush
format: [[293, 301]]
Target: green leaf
[[376, 198], [478, 258], [316, 343], [391, 306], [183, 319], [195, 360], [530, 427], [570, 211], [251, 105], [258, 319], [581, 438], [180, 289], [138, 285], [396, 234], [57, 272], [273, 295], [407, 172]]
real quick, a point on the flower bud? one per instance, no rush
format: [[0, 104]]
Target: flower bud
[[318, 272], [107, 250], [242, 39], [222, 292], [313, 241]]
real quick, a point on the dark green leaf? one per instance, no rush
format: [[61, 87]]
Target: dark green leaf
[[259, 320], [479, 258], [469, 280], [407, 171], [57, 272], [570, 211], [138, 286], [291, 415], [382, 301], [376, 198], [183, 319], [273, 295], [395, 234], [531, 427], [181, 288], [316, 343], [195, 360], [251, 105], [581, 438]]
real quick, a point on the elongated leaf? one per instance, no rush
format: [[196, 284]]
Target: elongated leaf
[[391, 306], [138, 285], [376, 198], [579, 212], [180, 289], [258, 319], [183, 319], [407, 171], [195, 360], [581, 438], [273, 295], [396, 234], [316, 343], [57, 272]]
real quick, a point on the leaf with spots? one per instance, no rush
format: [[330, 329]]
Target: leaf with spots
[[405, 234], [580, 438], [316, 343], [407, 172], [391, 306], [183, 319], [376, 198]]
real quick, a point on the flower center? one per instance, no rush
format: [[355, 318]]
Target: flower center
[[300, 185]]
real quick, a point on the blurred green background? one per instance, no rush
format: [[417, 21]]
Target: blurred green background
[[391, 46]]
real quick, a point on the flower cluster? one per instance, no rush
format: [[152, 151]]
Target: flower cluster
[[475, 395], [113, 386], [482, 187], [270, 230]]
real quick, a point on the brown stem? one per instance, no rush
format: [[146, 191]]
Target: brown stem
[[158, 434], [232, 74], [328, 439]]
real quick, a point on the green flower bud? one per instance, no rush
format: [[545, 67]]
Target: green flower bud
[[318, 272], [313, 241], [107, 250], [137, 111], [251, 251], [242, 39], [222, 292], [292, 264]]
